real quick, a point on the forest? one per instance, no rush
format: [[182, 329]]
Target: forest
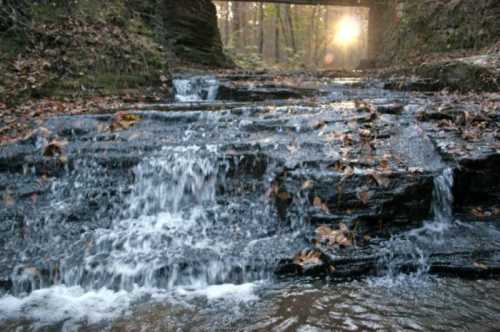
[[293, 36]]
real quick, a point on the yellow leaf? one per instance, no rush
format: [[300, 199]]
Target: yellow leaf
[[307, 185]]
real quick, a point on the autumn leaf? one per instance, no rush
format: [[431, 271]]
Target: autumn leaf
[[384, 163], [283, 196], [54, 148], [381, 180], [339, 237], [319, 125], [123, 121], [347, 139], [7, 199], [307, 185], [364, 196], [308, 257], [318, 203]]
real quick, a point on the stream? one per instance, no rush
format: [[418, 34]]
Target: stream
[[195, 218]]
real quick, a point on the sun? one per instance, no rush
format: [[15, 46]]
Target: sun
[[348, 31]]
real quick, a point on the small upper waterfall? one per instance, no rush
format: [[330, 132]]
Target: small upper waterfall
[[442, 203], [197, 88]]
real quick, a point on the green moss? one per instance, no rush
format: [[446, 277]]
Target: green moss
[[104, 83]]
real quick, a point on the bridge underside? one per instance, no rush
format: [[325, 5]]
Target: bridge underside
[[349, 3], [377, 8]]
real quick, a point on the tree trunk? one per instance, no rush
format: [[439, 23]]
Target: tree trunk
[[261, 29], [311, 44], [243, 35], [316, 38], [227, 22], [235, 36], [277, 55], [293, 43], [283, 28]]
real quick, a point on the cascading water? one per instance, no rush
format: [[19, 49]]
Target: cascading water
[[410, 251], [170, 233], [195, 89], [166, 214], [442, 197]]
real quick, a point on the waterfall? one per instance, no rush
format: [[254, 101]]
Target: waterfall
[[195, 89], [162, 237], [410, 251], [171, 230], [442, 197]]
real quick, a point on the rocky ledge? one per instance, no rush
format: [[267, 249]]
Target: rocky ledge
[[347, 172]]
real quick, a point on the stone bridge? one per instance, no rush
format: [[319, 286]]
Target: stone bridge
[[378, 9]]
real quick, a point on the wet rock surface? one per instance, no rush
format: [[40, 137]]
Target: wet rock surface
[[474, 73], [356, 162]]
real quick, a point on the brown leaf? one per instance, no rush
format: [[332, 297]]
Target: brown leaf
[[478, 212], [384, 163], [283, 196], [364, 196], [7, 199], [307, 185], [54, 148], [318, 203], [381, 180], [347, 139], [123, 121], [308, 257], [340, 237], [319, 125]]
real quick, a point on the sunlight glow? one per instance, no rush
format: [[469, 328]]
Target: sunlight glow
[[348, 31]]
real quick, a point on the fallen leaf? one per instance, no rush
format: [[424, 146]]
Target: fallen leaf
[[478, 212], [283, 196], [123, 121], [338, 237], [319, 125], [480, 266], [364, 196], [54, 148], [307, 185], [308, 257], [318, 203], [381, 180], [7, 199], [384, 163]]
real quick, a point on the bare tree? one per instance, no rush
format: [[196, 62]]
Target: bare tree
[[261, 29], [289, 19]]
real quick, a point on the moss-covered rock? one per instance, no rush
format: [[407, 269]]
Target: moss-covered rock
[[428, 26], [191, 31]]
